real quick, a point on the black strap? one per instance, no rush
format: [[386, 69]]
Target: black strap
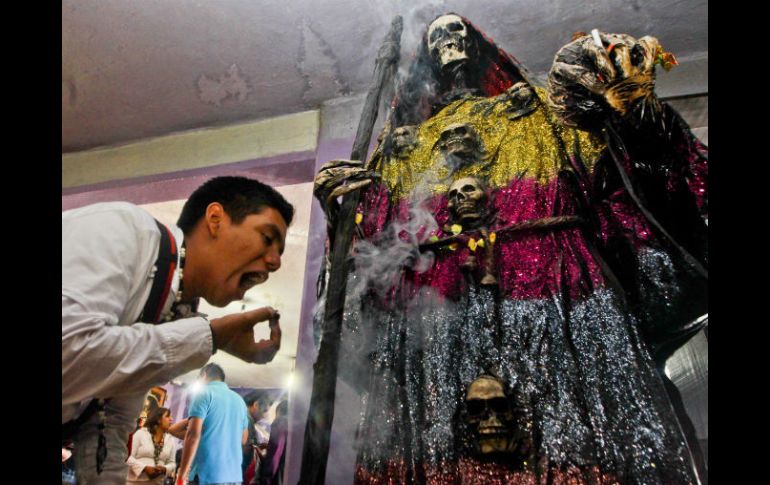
[[71, 427], [164, 271]]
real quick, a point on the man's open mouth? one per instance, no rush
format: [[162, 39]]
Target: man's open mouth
[[249, 280]]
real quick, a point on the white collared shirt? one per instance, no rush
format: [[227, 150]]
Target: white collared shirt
[[143, 454], [108, 255]]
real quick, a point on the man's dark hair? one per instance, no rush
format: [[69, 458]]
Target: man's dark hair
[[153, 420], [259, 397], [240, 197], [213, 372]]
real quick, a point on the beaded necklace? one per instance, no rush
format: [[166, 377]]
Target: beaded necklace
[[179, 309], [158, 447]]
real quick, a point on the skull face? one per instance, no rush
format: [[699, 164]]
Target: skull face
[[467, 200], [448, 40], [490, 415], [404, 140], [460, 144]]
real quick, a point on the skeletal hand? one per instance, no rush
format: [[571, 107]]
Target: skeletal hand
[[587, 83], [519, 99], [336, 178]]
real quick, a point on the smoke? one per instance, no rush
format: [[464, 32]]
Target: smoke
[[416, 19], [379, 263]]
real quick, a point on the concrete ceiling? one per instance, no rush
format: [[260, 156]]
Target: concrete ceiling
[[132, 70]]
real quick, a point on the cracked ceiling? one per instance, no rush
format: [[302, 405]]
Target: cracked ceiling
[[132, 70]]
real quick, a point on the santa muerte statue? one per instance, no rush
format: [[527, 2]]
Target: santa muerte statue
[[525, 260]]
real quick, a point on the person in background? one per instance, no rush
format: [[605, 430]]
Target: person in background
[[130, 291], [217, 429], [153, 454], [271, 470], [254, 451], [262, 426]]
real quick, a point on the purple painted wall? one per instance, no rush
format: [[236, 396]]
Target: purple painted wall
[[306, 351]]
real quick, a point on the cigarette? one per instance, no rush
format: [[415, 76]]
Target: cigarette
[[597, 39]]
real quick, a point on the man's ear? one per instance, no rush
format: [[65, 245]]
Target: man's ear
[[215, 216]]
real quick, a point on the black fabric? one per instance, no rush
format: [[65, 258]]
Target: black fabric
[[101, 450], [165, 264], [70, 428]]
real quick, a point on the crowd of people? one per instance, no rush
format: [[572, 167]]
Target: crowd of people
[[225, 439]]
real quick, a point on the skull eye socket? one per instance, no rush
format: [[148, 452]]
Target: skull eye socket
[[434, 36], [468, 188], [452, 193], [498, 405], [476, 407], [461, 130], [454, 26], [479, 407]]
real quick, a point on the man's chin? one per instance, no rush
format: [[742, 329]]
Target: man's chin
[[222, 301]]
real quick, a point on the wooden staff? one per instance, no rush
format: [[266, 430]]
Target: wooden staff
[[321, 413]]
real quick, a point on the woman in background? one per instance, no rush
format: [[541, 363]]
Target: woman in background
[[152, 455], [271, 469]]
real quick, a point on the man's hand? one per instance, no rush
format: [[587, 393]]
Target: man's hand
[[152, 471], [235, 335]]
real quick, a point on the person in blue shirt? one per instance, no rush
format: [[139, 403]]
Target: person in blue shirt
[[216, 432]]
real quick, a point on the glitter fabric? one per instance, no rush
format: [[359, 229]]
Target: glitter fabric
[[520, 147], [661, 289], [472, 471], [580, 372], [571, 322], [565, 343], [531, 264], [698, 177]]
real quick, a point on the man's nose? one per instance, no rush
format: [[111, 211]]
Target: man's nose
[[273, 260]]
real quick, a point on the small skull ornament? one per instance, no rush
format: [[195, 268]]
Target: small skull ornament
[[489, 415], [448, 40], [460, 145], [404, 140], [467, 202]]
